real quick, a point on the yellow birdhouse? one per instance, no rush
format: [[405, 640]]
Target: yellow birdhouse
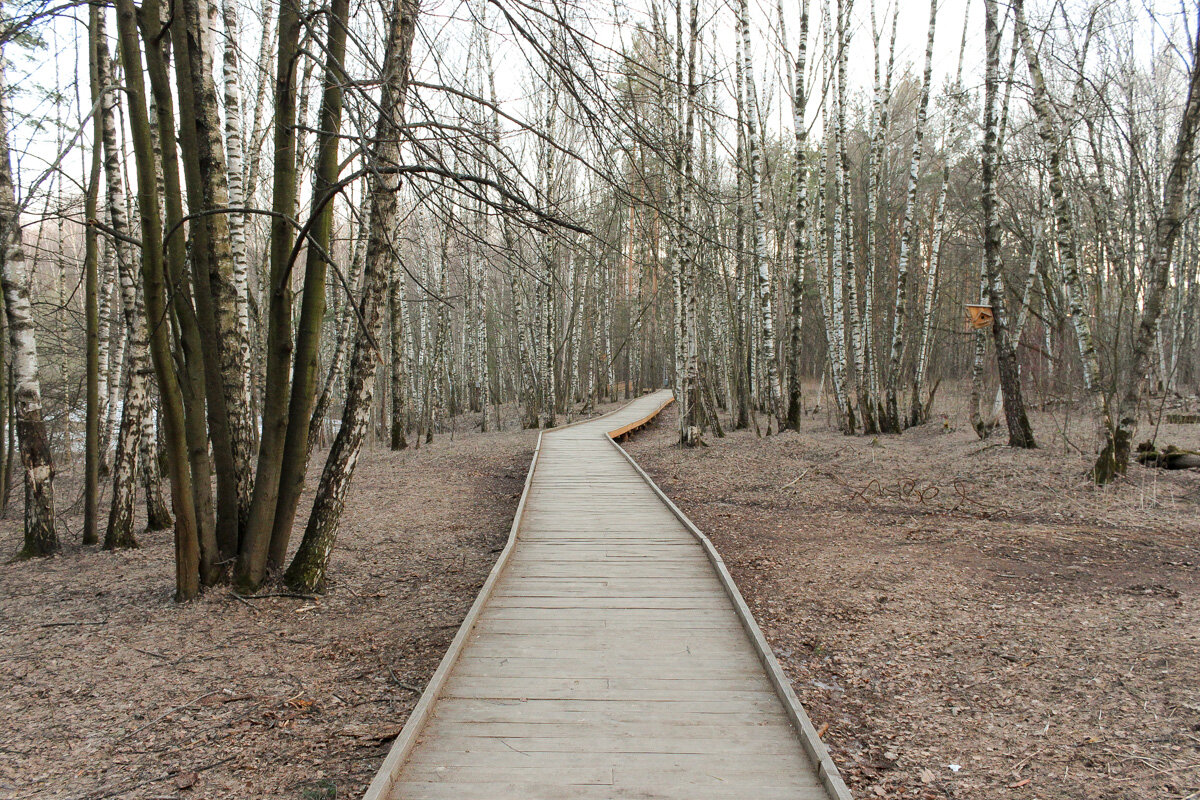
[[979, 316]]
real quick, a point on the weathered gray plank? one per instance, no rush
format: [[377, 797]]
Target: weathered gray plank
[[609, 661]]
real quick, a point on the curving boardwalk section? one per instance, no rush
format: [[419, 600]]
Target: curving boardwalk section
[[608, 656]]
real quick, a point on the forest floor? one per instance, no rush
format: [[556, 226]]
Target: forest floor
[[959, 618], [110, 689], [936, 600]]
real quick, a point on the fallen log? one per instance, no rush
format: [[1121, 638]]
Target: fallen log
[[1170, 457]]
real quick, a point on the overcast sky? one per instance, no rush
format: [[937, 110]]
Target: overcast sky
[[34, 73]]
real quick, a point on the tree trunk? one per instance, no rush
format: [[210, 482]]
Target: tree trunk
[[800, 250], [765, 293], [397, 312], [893, 422], [189, 360], [312, 307], [1114, 456], [187, 545], [1020, 434], [307, 570], [158, 516], [252, 557], [120, 533], [41, 538], [91, 265], [205, 177], [234, 149]]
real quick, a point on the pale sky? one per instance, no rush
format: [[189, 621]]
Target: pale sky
[[444, 23]]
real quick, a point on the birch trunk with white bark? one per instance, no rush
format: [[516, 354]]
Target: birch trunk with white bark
[[308, 567], [892, 421], [41, 537]]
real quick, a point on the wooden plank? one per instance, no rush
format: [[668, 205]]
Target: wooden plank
[[407, 790], [608, 658]]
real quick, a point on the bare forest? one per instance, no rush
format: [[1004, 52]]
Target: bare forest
[[291, 286]]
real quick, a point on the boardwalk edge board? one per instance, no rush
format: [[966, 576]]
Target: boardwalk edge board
[[827, 771], [385, 778]]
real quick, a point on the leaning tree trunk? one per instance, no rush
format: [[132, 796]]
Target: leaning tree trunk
[[1020, 434], [1114, 457], [344, 325], [307, 570], [41, 539], [1052, 140]]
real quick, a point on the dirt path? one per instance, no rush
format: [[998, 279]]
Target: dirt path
[[111, 689], [961, 621]]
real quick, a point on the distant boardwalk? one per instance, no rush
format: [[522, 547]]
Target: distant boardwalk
[[605, 658]]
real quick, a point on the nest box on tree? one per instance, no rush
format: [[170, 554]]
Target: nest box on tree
[[979, 316]]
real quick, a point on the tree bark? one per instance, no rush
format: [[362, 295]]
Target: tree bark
[[41, 537], [119, 533], [187, 545], [312, 307], [91, 265], [188, 358], [205, 178], [893, 423], [307, 570], [1020, 434], [1114, 456], [256, 542], [800, 249], [765, 289]]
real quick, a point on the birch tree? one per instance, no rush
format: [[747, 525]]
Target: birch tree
[[1020, 434], [1114, 454], [41, 536], [307, 570], [800, 233], [891, 417], [765, 289]]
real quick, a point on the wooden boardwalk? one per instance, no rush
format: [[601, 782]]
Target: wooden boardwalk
[[608, 656]]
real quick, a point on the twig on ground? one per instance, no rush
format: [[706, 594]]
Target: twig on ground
[[796, 480], [163, 777], [163, 716], [296, 595], [402, 684], [243, 601], [72, 624]]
